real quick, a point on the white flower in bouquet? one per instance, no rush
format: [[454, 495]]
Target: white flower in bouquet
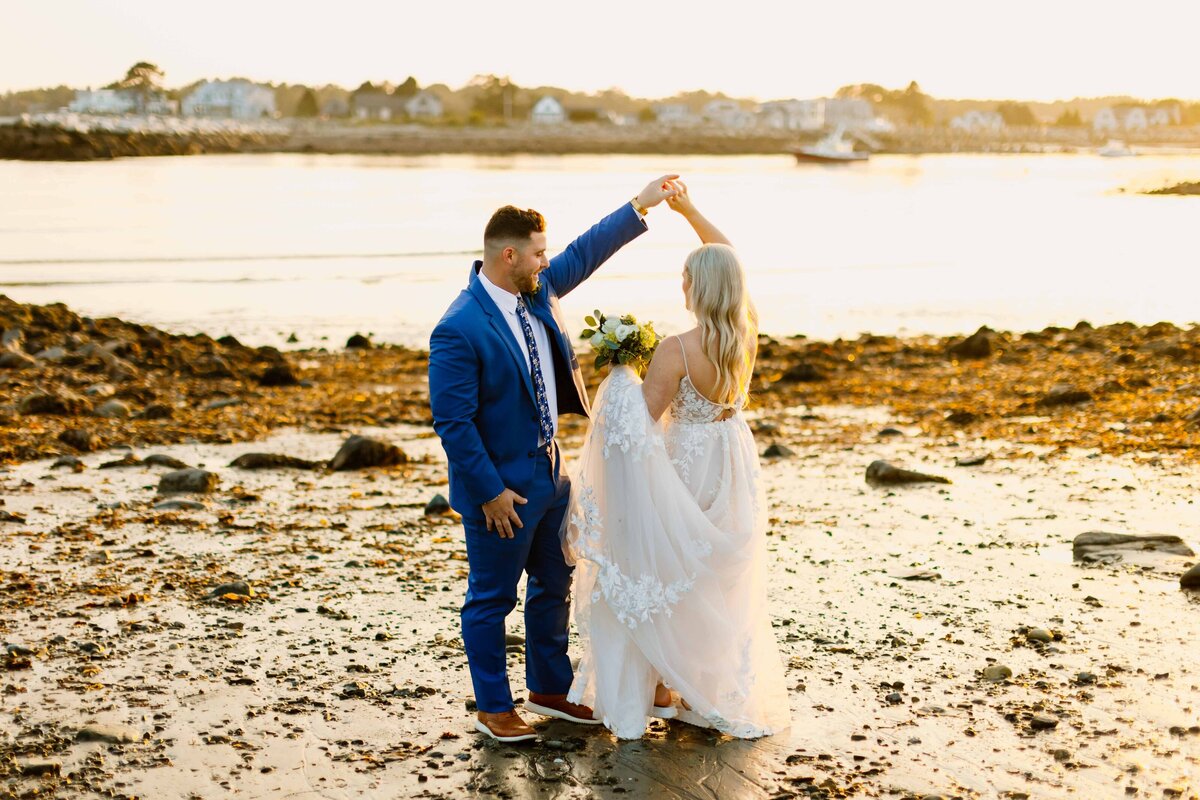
[[620, 340]]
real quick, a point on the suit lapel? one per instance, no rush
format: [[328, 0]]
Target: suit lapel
[[496, 318]]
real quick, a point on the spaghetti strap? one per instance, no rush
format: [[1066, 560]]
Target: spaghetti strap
[[686, 371]]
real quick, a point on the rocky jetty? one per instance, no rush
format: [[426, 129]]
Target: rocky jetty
[[33, 141]]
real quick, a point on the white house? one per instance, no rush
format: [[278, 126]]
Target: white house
[[1165, 115], [102, 101], [793, 115], [673, 114], [728, 114], [978, 122], [548, 111], [120, 101], [239, 99], [424, 105], [852, 113], [1122, 117]]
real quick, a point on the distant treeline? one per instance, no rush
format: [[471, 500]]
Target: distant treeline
[[492, 98]]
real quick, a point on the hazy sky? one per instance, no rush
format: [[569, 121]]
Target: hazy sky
[[1026, 49]]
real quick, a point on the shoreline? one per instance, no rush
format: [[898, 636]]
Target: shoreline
[[104, 138], [71, 385]]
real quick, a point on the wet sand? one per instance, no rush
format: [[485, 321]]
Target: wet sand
[[343, 675]]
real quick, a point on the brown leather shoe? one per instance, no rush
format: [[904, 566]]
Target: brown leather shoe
[[504, 726], [556, 705], [664, 703]]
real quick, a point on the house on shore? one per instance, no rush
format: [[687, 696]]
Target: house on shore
[[978, 122], [378, 102], [1124, 117], [727, 114], [793, 115], [852, 113], [121, 101], [235, 99], [424, 105], [548, 111], [673, 114]]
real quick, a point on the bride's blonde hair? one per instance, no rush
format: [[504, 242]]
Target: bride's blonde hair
[[728, 321]]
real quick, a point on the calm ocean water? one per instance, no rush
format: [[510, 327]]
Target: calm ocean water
[[264, 246]]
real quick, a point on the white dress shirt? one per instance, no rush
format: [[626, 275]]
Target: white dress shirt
[[507, 303]]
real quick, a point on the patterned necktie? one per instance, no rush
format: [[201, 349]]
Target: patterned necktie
[[539, 385]]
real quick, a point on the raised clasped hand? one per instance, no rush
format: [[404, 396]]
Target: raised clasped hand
[[657, 190]]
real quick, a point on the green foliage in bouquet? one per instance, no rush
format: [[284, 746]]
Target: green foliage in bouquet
[[620, 340]]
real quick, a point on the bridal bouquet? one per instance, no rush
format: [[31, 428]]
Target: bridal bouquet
[[620, 340]]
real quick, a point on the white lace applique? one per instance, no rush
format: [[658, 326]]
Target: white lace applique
[[631, 600], [626, 426]]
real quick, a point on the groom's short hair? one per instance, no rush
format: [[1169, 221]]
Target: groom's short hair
[[511, 223]]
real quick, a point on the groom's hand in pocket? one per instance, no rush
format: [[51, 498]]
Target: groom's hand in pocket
[[501, 515]]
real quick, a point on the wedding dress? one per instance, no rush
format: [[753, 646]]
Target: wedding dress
[[666, 529]]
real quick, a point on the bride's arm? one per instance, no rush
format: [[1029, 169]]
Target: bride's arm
[[682, 202], [662, 377]]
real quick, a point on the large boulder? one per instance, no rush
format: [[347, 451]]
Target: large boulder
[[272, 461], [59, 402], [113, 409], [359, 451], [280, 374], [1191, 578], [1100, 545], [198, 481], [978, 345], [82, 440], [15, 359], [881, 473]]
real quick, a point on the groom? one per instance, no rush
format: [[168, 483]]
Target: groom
[[501, 370]]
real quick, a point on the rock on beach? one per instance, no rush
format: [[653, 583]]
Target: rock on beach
[[360, 451], [198, 481], [884, 474]]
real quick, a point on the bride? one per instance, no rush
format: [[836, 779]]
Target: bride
[[667, 525]]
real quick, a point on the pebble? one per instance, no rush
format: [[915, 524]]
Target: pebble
[[1191, 578], [1039, 635], [777, 450], [1083, 678], [224, 402], [68, 461], [1041, 722]]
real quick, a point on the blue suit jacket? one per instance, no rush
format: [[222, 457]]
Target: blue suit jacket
[[480, 390]]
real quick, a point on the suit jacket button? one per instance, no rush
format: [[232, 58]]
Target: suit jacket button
[[531, 453]]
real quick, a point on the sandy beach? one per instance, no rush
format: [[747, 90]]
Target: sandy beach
[[940, 639]]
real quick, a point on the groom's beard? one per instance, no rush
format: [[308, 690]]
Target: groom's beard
[[528, 284]]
